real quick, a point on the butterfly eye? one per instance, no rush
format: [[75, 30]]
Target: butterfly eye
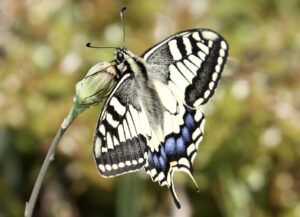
[[120, 56]]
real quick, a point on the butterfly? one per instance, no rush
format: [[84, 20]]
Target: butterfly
[[152, 118]]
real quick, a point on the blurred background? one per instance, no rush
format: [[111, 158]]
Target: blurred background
[[249, 161]]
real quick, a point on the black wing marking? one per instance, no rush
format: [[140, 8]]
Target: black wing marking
[[190, 63], [119, 143]]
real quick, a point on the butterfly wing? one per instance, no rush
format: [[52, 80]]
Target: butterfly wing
[[182, 131], [189, 63], [119, 142], [185, 69]]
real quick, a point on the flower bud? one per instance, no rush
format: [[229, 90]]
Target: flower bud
[[96, 85]]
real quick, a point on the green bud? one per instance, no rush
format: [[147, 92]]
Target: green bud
[[96, 85]]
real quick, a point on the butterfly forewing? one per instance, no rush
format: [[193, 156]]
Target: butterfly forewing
[[190, 63], [119, 142]]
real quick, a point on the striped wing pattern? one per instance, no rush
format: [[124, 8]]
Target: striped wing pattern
[[183, 71], [119, 142], [190, 63]]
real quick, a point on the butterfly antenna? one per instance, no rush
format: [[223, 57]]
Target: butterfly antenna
[[122, 19], [91, 46]]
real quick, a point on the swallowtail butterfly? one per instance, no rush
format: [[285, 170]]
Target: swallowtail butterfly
[[152, 118]]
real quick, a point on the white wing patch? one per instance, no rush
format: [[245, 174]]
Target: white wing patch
[[204, 48], [197, 62], [209, 35], [196, 36], [117, 105], [187, 44], [186, 72], [121, 133], [174, 50], [111, 121], [177, 78], [98, 147], [167, 98]]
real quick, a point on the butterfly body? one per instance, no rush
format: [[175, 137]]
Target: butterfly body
[[153, 119]]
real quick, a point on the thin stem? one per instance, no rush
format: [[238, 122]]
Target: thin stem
[[50, 157], [37, 186]]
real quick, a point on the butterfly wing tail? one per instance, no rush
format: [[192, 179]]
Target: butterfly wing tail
[[174, 195]]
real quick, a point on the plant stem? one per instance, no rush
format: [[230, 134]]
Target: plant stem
[[76, 109], [37, 186]]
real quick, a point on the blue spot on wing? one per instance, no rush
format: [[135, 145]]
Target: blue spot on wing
[[190, 122], [163, 154], [163, 163], [180, 147], [156, 161], [170, 148], [186, 134]]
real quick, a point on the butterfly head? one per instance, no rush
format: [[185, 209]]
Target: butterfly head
[[126, 61], [122, 55], [123, 59]]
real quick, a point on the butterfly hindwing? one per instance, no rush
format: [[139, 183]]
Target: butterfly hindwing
[[183, 130], [119, 143], [190, 63]]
